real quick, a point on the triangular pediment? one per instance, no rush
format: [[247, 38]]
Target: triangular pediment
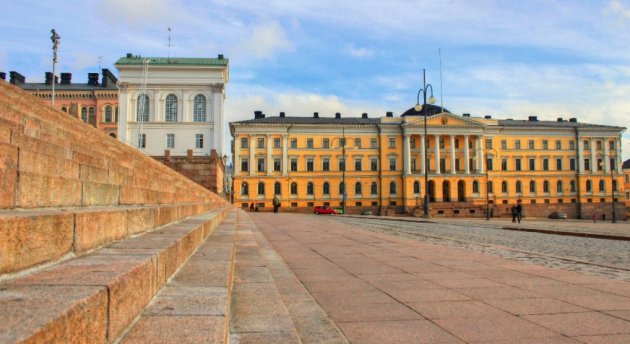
[[444, 119]]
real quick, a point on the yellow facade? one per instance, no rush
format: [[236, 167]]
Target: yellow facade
[[549, 166]]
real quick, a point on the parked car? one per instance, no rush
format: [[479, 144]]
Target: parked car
[[324, 209], [557, 215]]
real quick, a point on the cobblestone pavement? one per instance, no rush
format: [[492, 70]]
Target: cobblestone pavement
[[600, 257]]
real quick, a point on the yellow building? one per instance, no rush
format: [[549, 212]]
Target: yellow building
[[626, 188], [472, 162]]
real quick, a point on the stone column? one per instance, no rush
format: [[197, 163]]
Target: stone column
[[479, 153], [406, 155], [580, 161], [453, 154], [252, 163], [422, 156], [237, 159], [466, 154], [606, 156], [437, 154], [284, 154], [269, 159], [593, 156]]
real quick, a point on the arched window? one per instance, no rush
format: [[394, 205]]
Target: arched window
[[602, 186], [108, 114], [532, 186], [519, 186], [64, 109], [490, 187], [142, 108], [84, 114], [91, 113], [199, 108], [416, 187], [326, 188], [374, 188], [261, 188], [392, 188], [559, 186], [294, 188], [589, 186], [244, 189], [357, 188], [277, 189], [572, 185], [116, 114], [545, 186], [504, 186], [342, 188], [475, 186], [170, 109], [309, 188]]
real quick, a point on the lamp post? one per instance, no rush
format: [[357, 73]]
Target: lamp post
[[423, 107], [487, 180], [54, 37], [612, 187], [343, 170]]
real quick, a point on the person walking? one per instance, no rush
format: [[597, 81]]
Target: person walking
[[251, 207], [519, 211], [276, 204], [594, 217], [513, 212]]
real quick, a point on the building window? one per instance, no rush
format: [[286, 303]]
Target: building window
[[602, 186], [326, 188], [357, 188], [490, 187], [64, 109], [309, 143], [587, 164], [392, 164], [294, 188], [170, 141], [416, 187], [342, 188], [108, 114], [441, 143], [309, 164], [456, 143], [276, 142], [612, 163], [504, 187], [342, 142], [374, 164], [392, 188], [142, 140], [357, 143], [488, 143], [559, 164], [504, 165], [545, 164], [293, 143], [357, 164], [326, 143], [532, 186], [412, 143], [84, 114], [244, 165], [559, 186], [261, 142], [611, 145], [142, 108], [572, 145], [489, 164], [116, 114], [546, 186], [277, 166], [261, 188], [517, 162], [586, 144], [199, 108], [599, 145], [374, 188], [572, 164], [294, 165], [545, 144], [532, 164], [475, 186], [373, 144], [170, 110], [503, 144], [392, 142], [414, 165], [517, 144], [277, 188], [614, 185], [589, 186], [199, 140], [244, 189], [342, 164], [261, 164], [572, 185], [325, 164], [600, 164], [531, 144], [244, 142], [558, 144], [519, 186]]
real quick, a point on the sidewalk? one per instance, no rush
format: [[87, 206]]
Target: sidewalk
[[586, 228], [383, 289]]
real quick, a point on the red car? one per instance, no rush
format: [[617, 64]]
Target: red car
[[324, 209]]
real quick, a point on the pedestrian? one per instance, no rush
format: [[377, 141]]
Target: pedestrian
[[519, 211], [594, 218], [603, 217], [256, 209], [251, 207], [513, 212], [276, 204]]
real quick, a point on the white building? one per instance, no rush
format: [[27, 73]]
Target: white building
[[173, 103]]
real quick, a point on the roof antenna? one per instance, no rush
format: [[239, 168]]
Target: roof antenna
[[441, 93], [169, 43], [100, 60]]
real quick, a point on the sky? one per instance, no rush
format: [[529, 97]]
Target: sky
[[507, 59]]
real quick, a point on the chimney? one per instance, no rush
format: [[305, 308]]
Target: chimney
[[573, 120], [93, 79], [466, 115], [533, 118], [129, 55], [3, 75], [66, 78], [16, 78], [258, 114], [108, 77], [220, 57], [487, 117], [389, 114], [364, 115], [559, 119], [282, 114], [337, 115], [49, 77], [315, 114]]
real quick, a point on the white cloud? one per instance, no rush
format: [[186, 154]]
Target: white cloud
[[361, 52], [616, 8], [135, 13], [265, 41]]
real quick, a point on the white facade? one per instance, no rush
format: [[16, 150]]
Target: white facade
[[194, 87]]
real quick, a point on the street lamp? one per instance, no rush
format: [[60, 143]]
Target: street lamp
[[487, 180], [612, 186], [54, 37], [423, 107], [343, 171]]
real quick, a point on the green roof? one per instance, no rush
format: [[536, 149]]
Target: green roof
[[183, 61]]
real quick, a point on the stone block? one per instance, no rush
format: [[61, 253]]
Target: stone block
[[99, 194], [26, 241], [36, 190], [49, 165], [140, 220], [5, 134], [47, 314], [96, 228], [8, 175], [94, 174], [186, 329]]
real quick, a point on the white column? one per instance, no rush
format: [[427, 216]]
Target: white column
[[237, 151], [478, 154], [453, 154], [593, 156], [218, 117], [284, 155], [580, 161], [406, 155], [437, 154], [422, 156], [606, 156], [466, 154], [252, 163], [269, 159]]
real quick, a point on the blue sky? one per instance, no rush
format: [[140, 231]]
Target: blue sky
[[508, 59]]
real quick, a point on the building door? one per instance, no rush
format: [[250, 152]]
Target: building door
[[461, 191], [431, 190], [446, 191]]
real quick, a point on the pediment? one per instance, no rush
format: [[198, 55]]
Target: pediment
[[444, 119]]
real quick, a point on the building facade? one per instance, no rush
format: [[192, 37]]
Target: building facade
[[626, 188], [471, 163], [94, 102], [174, 104]]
